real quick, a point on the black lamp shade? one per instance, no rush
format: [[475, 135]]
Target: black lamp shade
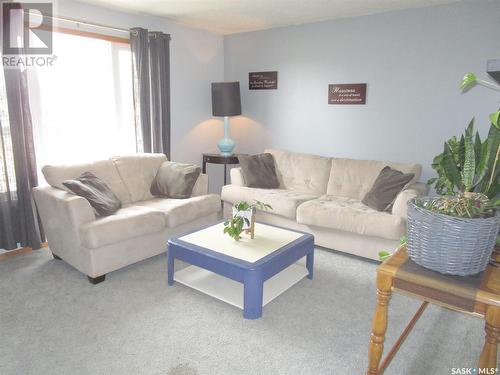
[[226, 100]]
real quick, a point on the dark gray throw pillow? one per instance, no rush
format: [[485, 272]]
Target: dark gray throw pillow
[[259, 171], [386, 187], [175, 180], [101, 198]]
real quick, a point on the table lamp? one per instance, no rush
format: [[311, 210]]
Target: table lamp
[[226, 102]]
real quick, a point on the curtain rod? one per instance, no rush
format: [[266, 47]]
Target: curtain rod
[[87, 23]]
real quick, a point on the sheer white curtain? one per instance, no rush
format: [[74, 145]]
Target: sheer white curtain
[[82, 106]]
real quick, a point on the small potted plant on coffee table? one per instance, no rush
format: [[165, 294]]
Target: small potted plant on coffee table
[[243, 219]]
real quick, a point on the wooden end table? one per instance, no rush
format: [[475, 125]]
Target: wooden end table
[[477, 295]]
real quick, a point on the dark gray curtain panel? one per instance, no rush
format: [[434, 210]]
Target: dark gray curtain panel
[[18, 219], [8, 194], [151, 79], [159, 59], [139, 45]]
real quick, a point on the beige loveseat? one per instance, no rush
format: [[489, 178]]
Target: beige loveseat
[[139, 230], [322, 196]]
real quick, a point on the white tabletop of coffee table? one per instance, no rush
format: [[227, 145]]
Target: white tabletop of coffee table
[[267, 240]]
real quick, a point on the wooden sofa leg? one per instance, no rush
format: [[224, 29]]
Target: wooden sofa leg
[[96, 280], [56, 256]]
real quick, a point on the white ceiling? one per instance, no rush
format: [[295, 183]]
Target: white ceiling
[[235, 16]]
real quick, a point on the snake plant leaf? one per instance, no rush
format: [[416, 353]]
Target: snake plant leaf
[[494, 189], [468, 81], [493, 164], [477, 148], [469, 165], [459, 149], [450, 168], [482, 165], [470, 128], [454, 146], [495, 119]]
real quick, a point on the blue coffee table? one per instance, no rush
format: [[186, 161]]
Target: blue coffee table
[[246, 273]]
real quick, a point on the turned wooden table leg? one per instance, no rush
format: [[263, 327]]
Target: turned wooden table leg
[[488, 357], [379, 324]]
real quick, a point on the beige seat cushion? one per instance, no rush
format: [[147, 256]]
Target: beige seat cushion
[[354, 178], [302, 172], [104, 169], [181, 211], [284, 202], [137, 172], [350, 215], [126, 223]]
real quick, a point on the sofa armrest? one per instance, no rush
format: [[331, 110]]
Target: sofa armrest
[[400, 206], [62, 215], [201, 186], [237, 177]]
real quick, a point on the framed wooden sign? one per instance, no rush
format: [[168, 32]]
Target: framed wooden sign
[[262, 80], [347, 93]]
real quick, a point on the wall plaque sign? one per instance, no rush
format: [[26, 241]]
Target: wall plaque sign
[[262, 80], [349, 93]]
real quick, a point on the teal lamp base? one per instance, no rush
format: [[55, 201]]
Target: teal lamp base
[[226, 144]]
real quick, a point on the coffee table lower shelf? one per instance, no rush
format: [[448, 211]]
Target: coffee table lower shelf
[[231, 291]]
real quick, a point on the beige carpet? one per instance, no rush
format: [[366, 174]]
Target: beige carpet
[[53, 321]]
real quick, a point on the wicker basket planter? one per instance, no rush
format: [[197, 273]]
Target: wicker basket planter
[[450, 245]]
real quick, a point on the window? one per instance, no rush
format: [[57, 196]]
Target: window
[[82, 106]]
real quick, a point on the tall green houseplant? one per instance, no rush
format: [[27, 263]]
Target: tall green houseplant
[[469, 164]]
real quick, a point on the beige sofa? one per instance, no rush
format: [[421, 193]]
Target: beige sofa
[[322, 196], [139, 230]]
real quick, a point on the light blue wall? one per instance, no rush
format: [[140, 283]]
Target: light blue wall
[[412, 60]]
